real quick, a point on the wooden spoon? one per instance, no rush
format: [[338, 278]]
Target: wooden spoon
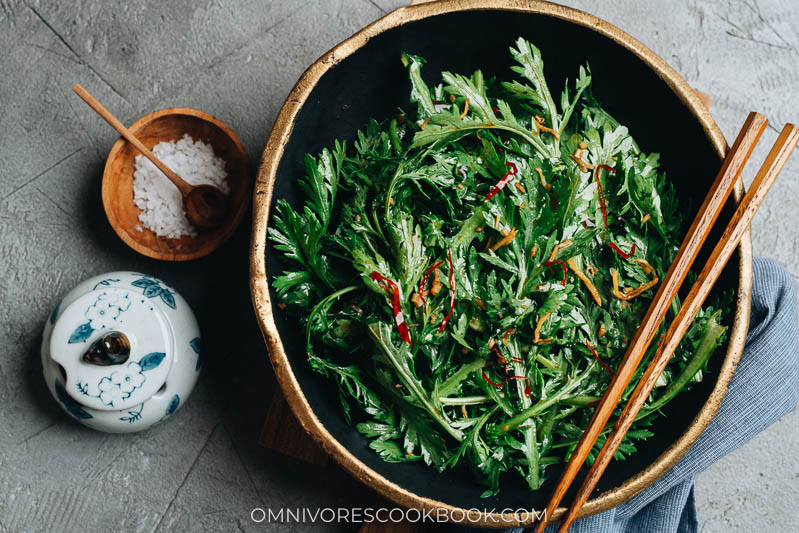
[[206, 206]]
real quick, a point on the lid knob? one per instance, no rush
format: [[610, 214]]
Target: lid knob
[[113, 348]]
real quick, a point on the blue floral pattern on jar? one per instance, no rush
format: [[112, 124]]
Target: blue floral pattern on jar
[[152, 289], [120, 384], [197, 346], [174, 403], [133, 416], [102, 314]]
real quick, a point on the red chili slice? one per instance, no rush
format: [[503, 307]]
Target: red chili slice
[[510, 378], [397, 307], [504, 181], [622, 254], [424, 279], [565, 268], [452, 286], [601, 193], [596, 355]]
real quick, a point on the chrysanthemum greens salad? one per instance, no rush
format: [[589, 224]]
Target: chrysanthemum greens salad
[[469, 272]]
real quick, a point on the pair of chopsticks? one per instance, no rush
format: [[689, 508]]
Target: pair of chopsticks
[[697, 233]]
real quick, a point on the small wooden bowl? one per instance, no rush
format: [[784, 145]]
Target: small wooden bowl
[[170, 125]]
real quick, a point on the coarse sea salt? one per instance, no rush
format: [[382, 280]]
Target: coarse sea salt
[[160, 201]]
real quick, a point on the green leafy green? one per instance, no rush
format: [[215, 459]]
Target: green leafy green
[[507, 383]]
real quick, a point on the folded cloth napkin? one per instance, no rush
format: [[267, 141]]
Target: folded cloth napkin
[[764, 388]]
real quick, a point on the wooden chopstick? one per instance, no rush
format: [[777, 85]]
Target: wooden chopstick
[[697, 233], [722, 252]]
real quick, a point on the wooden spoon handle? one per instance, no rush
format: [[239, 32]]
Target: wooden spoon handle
[[182, 186]]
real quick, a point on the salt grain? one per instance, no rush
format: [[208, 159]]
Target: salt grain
[[160, 201]]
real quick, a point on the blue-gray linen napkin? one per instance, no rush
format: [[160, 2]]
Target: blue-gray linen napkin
[[764, 388]]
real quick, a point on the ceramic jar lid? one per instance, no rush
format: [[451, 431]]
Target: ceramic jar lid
[[121, 351], [93, 382]]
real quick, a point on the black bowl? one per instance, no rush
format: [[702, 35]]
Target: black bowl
[[366, 79]]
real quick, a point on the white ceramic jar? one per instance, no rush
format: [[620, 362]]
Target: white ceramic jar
[[121, 352]]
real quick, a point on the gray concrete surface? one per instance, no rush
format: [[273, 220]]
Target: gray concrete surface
[[202, 471]]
